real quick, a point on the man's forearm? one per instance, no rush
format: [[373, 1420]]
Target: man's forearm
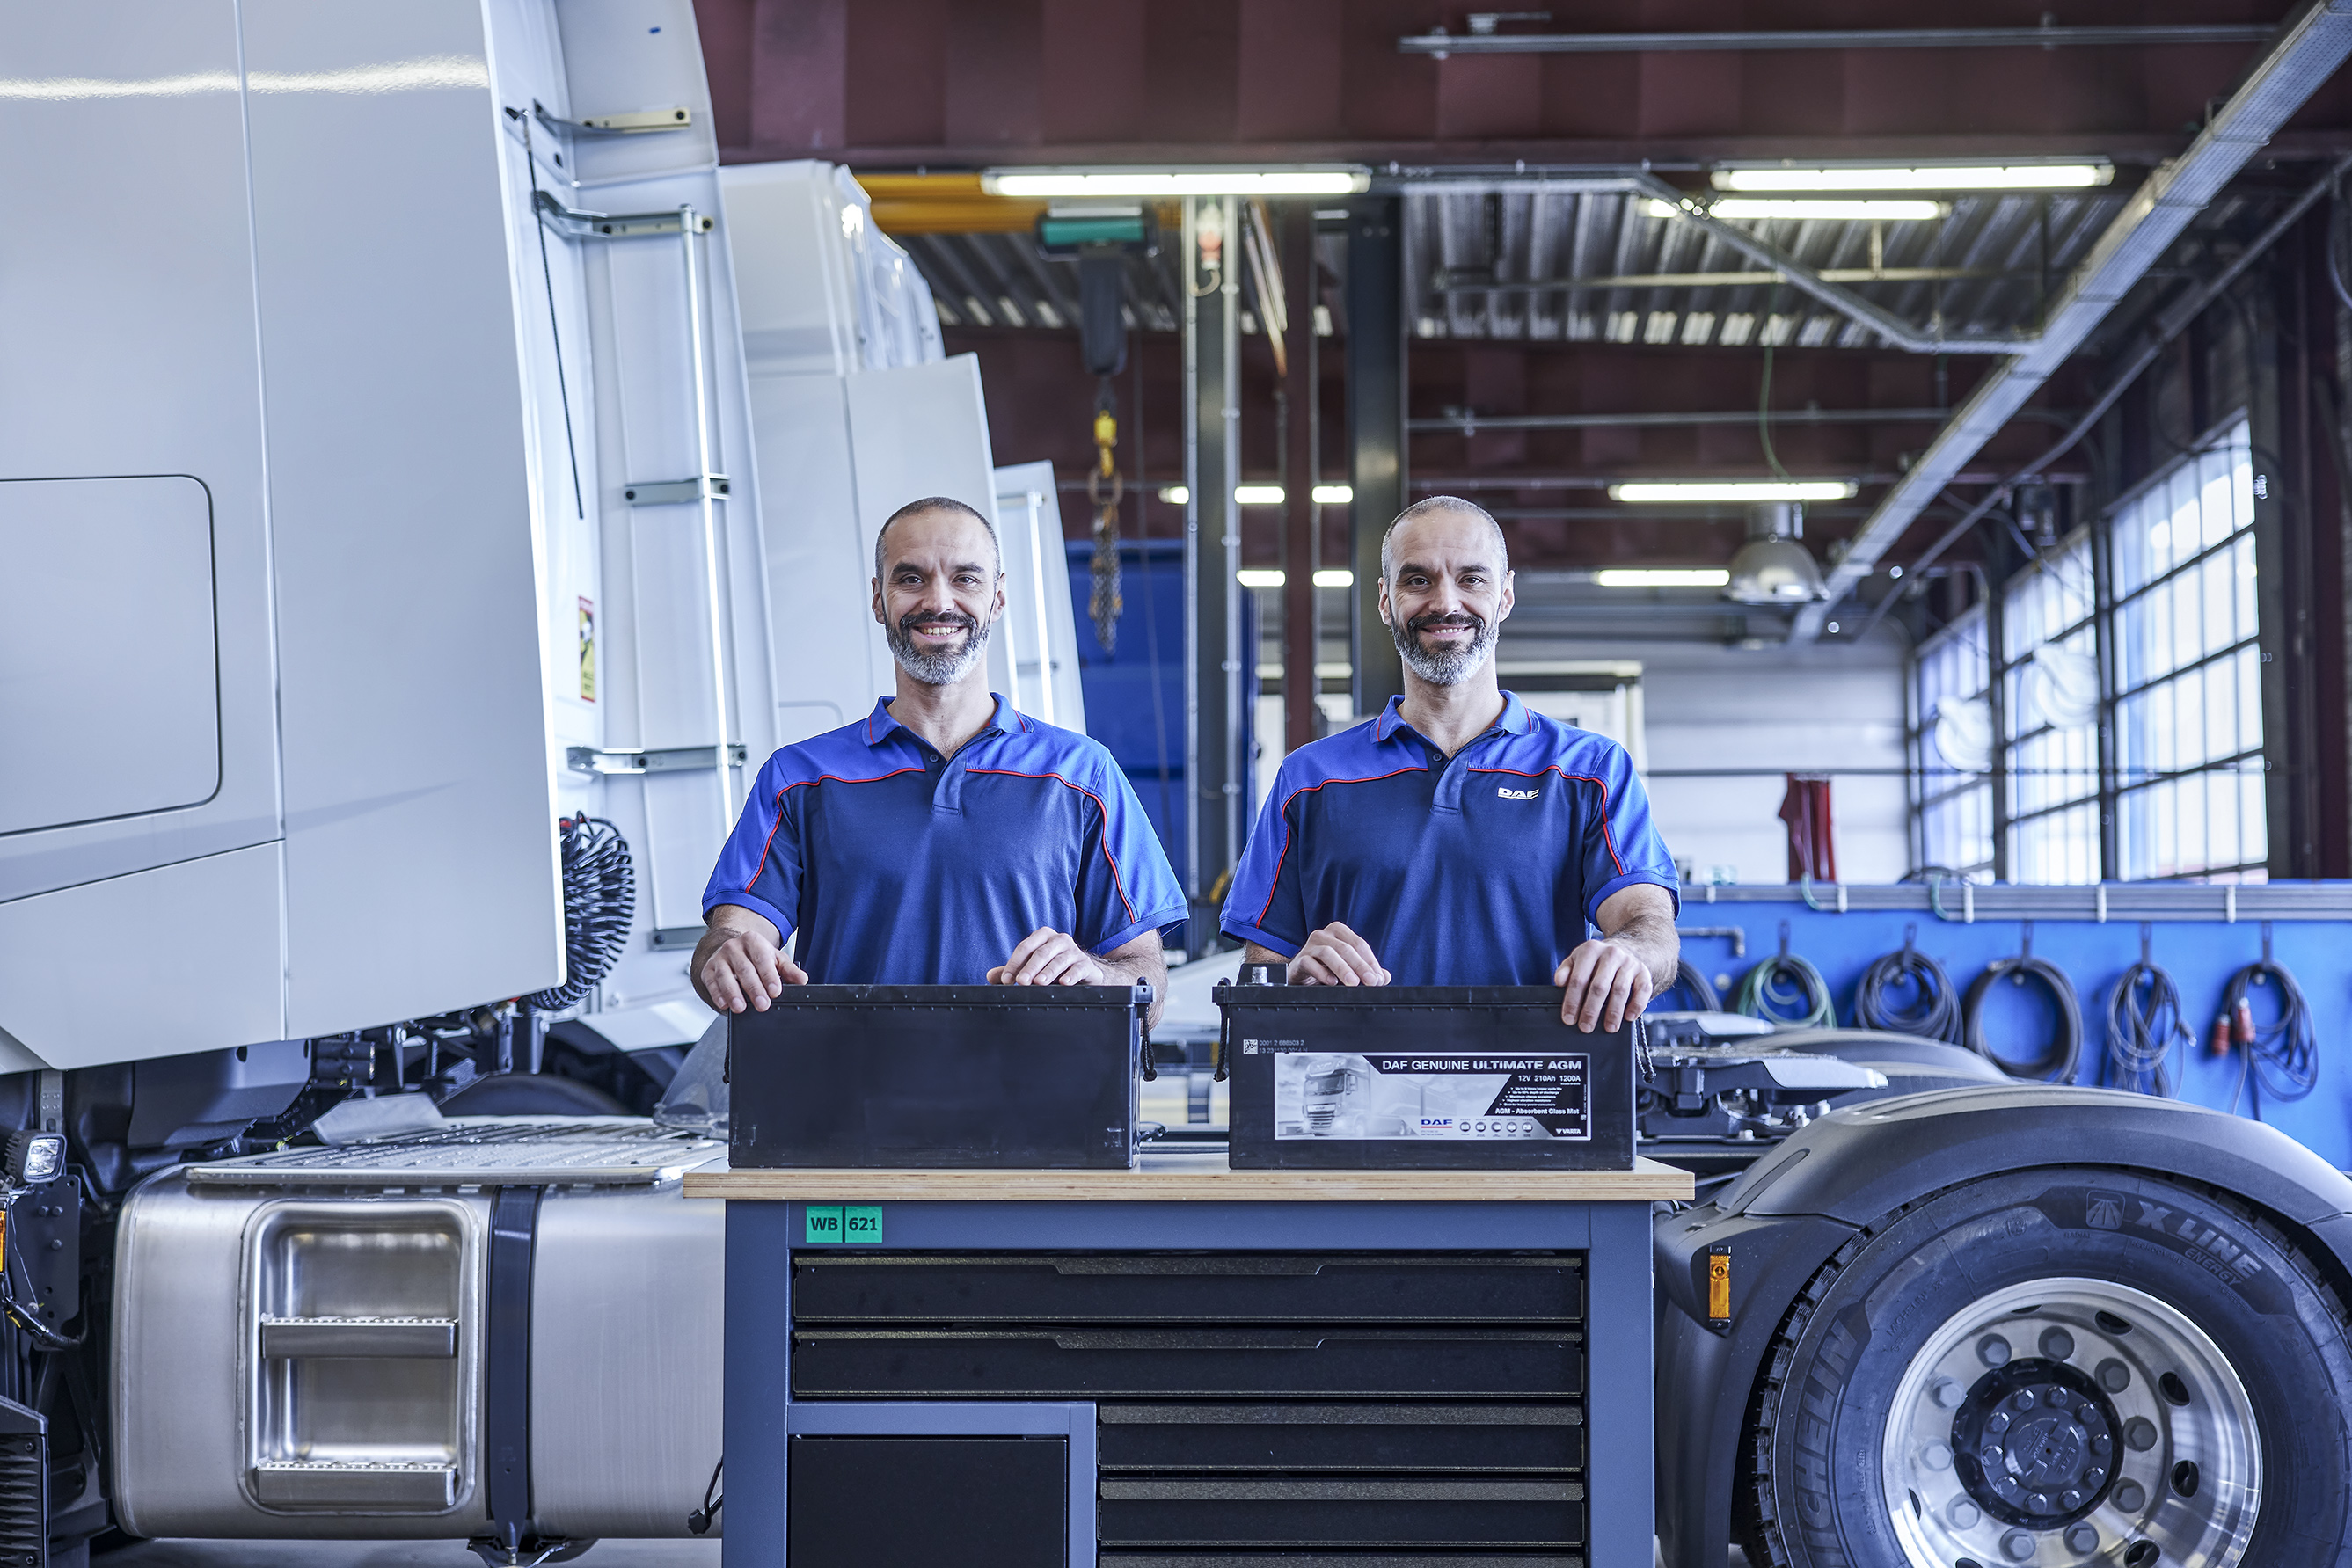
[[1653, 939], [1150, 967]]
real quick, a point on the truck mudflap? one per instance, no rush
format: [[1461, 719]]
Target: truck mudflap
[[1730, 1272]]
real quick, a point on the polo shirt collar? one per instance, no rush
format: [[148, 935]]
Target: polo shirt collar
[[1005, 720], [1514, 719]]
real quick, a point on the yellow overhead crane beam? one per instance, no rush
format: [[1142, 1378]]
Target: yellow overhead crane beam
[[955, 204]]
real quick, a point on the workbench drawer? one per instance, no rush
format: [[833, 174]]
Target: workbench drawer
[[1087, 1364], [1341, 1514], [1177, 1288], [1353, 1438]]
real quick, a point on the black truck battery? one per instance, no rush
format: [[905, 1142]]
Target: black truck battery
[[1421, 1077], [1006, 1077]]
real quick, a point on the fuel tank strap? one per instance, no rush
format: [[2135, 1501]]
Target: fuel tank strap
[[506, 1365]]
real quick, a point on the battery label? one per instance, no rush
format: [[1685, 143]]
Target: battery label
[[1329, 1094]]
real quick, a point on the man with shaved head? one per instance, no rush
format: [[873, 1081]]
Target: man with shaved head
[[1460, 838], [943, 838]]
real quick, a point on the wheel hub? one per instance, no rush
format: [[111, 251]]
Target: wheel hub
[[2034, 1444]]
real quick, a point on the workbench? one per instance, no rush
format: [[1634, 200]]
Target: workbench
[[1185, 1365]]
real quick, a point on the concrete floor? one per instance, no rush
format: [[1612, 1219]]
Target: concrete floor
[[387, 1554]]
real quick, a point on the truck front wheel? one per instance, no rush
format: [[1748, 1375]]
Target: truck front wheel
[[2058, 1368]]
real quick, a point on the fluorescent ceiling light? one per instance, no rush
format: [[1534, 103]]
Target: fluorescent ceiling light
[[1335, 577], [1334, 495], [1953, 177], [1744, 208], [1662, 576], [1735, 490], [1260, 577], [1176, 495], [1329, 180], [1257, 495]]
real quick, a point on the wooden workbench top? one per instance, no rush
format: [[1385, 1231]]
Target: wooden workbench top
[[1175, 1177]]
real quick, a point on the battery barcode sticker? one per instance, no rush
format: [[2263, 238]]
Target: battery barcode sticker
[[1327, 1094]]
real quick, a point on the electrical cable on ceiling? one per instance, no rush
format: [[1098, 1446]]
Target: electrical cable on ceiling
[[2060, 1055], [2144, 1025], [2281, 1056], [1933, 1015], [1782, 983], [599, 901], [1696, 985]]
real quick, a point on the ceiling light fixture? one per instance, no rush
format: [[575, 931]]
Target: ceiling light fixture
[[1671, 490], [1210, 180], [1740, 209], [1335, 577], [1929, 177], [1176, 495], [1662, 576], [1334, 495], [1261, 576], [1257, 495]]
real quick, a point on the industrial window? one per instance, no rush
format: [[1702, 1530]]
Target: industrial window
[[2170, 581], [2049, 716], [1952, 747], [2188, 685]]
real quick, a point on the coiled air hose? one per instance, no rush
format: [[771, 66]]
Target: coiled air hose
[[600, 900], [2282, 1055], [2058, 1059], [2144, 1025], [1775, 987], [1936, 1013], [1696, 985]]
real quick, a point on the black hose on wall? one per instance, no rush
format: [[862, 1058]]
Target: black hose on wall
[[600, 900]]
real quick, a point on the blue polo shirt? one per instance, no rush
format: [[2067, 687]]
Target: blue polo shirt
[[892, 866], [1484, 868]]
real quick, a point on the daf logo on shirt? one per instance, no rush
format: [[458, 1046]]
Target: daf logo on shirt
[[1510, 794]]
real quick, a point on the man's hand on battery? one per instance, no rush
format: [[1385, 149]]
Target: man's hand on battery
[[1603, 983], [740, 963], [1335, 955], [1049, 958]]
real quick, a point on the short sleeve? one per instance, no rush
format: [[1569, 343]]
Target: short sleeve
[[1265, 905], [1621, 847], [1125, 886], [759, 867]]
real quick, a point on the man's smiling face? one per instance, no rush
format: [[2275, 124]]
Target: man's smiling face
[[1446, 593], [940, 593]]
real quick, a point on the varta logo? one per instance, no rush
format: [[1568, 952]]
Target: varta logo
[[1510, 794]]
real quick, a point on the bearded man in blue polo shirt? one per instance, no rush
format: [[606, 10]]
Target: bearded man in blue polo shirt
[[944, 838], [1460, 838]]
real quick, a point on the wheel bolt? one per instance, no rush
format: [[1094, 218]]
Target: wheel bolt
[[2024, 1399], [1964, 1514], [2093, 1477], [2139, 1434], [2038, 1501], [1937, 1457], [2057, 1343], [2083, 1538], [1948, 1394], [2130, 1495], [2017, 1546], [1997, 1422], [2101, 1443], [2114, 1376], [2070, 1498], [1993, 1350]]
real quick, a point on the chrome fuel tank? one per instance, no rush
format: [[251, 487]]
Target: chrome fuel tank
[[301, 1340]]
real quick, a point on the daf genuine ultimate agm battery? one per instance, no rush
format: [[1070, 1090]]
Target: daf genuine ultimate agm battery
[[1400, 1077], [1035, 1077]]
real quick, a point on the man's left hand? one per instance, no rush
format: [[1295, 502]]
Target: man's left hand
[[1603, 983], [1049, 958]]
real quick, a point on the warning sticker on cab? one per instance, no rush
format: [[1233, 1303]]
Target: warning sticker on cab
[[1328, 1094]]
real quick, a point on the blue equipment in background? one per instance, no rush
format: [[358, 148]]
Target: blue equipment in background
[[2025, 958], [1135, 698]]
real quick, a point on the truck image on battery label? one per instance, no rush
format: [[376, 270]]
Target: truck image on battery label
[[312, 1208]]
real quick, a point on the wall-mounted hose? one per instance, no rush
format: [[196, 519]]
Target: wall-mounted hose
[[2281, 1056], [1697, 986], [1787, 990], [600, 900], [1936, 1013], [2144, 1025], [2058, 1057]]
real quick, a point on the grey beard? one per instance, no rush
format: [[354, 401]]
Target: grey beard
[[1451, 667], [940, 669]]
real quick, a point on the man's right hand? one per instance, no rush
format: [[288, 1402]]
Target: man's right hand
[[1335, 955], [740, 961]]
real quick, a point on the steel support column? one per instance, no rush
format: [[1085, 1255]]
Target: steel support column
[[1375, 310], [1217, 714], [1300, 633]]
